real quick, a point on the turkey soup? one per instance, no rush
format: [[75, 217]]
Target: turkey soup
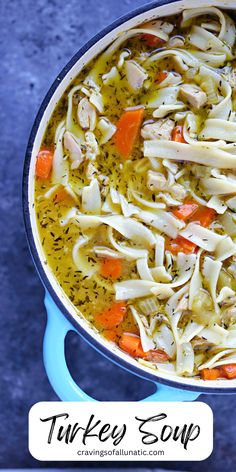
[[135, 194]]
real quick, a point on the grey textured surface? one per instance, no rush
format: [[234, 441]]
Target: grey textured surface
[[37, 40]]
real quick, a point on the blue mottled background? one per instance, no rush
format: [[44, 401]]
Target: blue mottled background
[[37, 38]]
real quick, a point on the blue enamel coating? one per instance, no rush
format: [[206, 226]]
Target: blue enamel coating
[[54, 355], [57, 371]]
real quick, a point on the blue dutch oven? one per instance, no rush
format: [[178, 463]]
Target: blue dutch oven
[[62, 316]]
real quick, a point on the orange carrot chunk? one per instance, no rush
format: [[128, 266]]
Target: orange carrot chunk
[[185, 211], [131, 344], [177, 134], [192, 211], [229, 371], [153, 41], [161, 75], [127, 131], [44, 164], [180, 244], [204, 216], [210, 374], [113, 316], [110, 334], [111, 268], [60, 195], [189, 211]]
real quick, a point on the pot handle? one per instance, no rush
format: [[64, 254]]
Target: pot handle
[[54, 355], [57, 371]]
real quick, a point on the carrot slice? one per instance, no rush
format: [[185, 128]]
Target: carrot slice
[[210, 374], [113, 316], [177, 134], [111, 268], [44, 164], [204, 216], [161, 75], [60, 195], [128, 128], [185, 211], [110, 334], [180, 244], [229, 371], [190, 211], [153, 41], [131, 344]]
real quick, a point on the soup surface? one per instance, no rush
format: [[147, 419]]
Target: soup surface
[[135, 194]]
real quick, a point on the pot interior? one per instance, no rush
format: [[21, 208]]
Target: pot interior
[[63, 81]]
